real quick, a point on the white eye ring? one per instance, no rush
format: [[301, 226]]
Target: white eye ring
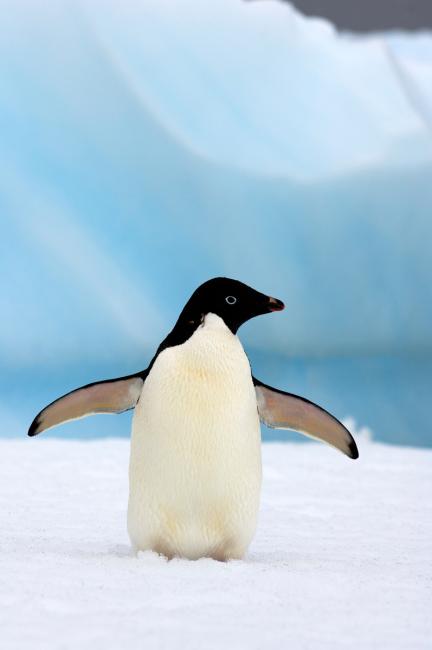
[[231, 300]]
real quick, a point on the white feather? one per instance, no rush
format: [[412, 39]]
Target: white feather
[[195, 465]]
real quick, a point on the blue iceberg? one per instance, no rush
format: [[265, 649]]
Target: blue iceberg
[[146, 147]]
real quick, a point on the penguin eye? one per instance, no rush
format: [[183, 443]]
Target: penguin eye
[[231, 300]]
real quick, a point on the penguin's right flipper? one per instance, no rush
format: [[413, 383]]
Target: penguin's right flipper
[[109, 396]]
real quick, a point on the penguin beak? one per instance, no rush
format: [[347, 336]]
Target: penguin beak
[[275, 305]]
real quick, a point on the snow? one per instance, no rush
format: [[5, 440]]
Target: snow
[[341, 558]]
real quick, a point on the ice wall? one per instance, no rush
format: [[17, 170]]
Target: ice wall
[[146, 146]]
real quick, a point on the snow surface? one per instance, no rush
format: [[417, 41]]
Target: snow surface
[[341, 558]]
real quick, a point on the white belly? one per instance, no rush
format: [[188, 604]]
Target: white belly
[[195, 466]]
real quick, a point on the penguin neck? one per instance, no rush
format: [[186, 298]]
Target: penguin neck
[[188, 324], [212, 351], [214, 322]]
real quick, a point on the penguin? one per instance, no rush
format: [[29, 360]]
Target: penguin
[[195, 455]]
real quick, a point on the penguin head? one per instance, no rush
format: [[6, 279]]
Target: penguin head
[[231, 300]]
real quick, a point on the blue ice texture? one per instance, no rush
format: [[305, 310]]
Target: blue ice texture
[[147, 146]]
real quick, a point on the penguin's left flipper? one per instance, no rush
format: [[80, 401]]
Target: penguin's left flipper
[[110, 396], [280, 410]]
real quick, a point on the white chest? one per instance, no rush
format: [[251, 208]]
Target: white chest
[[195, 470]]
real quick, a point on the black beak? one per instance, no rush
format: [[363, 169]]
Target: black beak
[[275, 305]]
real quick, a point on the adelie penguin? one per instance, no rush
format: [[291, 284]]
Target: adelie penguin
[[195, 462]]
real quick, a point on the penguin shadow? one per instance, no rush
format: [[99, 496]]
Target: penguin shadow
[[279, 558], [120, 551], [268, 558]]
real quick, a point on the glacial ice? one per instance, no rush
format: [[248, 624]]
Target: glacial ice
[[148, 146]]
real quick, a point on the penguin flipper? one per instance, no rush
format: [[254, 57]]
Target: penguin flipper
[[280, 410], [109, 396]]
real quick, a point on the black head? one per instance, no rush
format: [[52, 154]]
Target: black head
[[232, 300]]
